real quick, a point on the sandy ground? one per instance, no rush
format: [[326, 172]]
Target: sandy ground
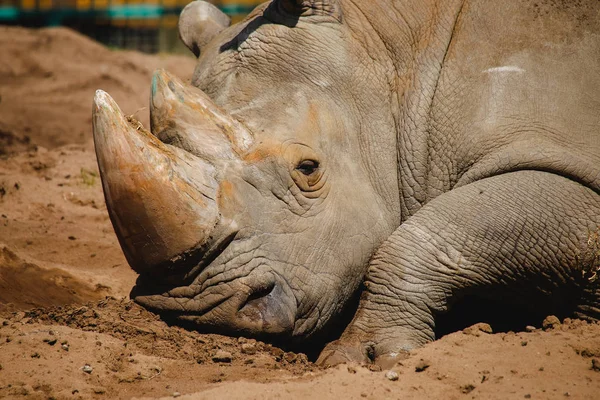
[[68, 330]]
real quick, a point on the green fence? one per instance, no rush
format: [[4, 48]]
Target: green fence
[[146, 25], [54, 11]]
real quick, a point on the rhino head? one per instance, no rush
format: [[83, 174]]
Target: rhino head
[[253, 204]]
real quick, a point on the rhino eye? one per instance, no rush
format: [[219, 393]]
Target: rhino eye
[[308, 167]]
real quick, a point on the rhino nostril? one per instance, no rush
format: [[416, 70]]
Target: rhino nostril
[[255, 302], [257, 295], [266, 311]]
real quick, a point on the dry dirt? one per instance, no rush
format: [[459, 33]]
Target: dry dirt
[[67, 329]]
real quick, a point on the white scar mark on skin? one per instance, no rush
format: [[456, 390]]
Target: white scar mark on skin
[[506, 68], [499, 81]]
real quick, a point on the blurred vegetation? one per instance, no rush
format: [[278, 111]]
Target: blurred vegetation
[[88, 177]]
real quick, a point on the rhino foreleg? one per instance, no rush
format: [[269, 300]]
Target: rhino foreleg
[[525, 237]]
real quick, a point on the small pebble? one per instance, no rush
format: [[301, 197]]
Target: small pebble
[[530, 328], [249, 348], [222, 356], [65, 346], [87, 369], [176, 394], [392, 375], [550, 322], [421, 366], [277, 353]]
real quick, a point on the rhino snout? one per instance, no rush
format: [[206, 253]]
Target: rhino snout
[[258, 305]]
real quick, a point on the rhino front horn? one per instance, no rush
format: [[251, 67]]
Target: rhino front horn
[[160, 198]]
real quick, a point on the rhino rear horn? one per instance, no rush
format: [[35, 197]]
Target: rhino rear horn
[[185, 116], [199, 22]]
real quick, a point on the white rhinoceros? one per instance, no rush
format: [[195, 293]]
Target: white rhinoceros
[[435, 150]]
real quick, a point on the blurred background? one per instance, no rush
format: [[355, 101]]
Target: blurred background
[[145, 25]]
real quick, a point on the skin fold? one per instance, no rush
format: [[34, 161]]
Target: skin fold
[[420, 152]]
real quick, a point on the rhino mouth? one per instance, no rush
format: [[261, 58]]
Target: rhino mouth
[[185, 268]]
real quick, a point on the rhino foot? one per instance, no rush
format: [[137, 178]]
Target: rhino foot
[[342, 351], [353, 350]]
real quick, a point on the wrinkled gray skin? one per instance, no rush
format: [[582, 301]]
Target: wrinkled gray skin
[[436, 150]]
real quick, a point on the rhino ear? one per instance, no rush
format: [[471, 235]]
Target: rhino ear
[[329, 8], [199, 22]]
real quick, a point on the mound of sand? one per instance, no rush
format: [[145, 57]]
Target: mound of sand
[[58, 251], [48, 78]]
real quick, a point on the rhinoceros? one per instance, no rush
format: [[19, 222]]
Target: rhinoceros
[[413, 155]]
